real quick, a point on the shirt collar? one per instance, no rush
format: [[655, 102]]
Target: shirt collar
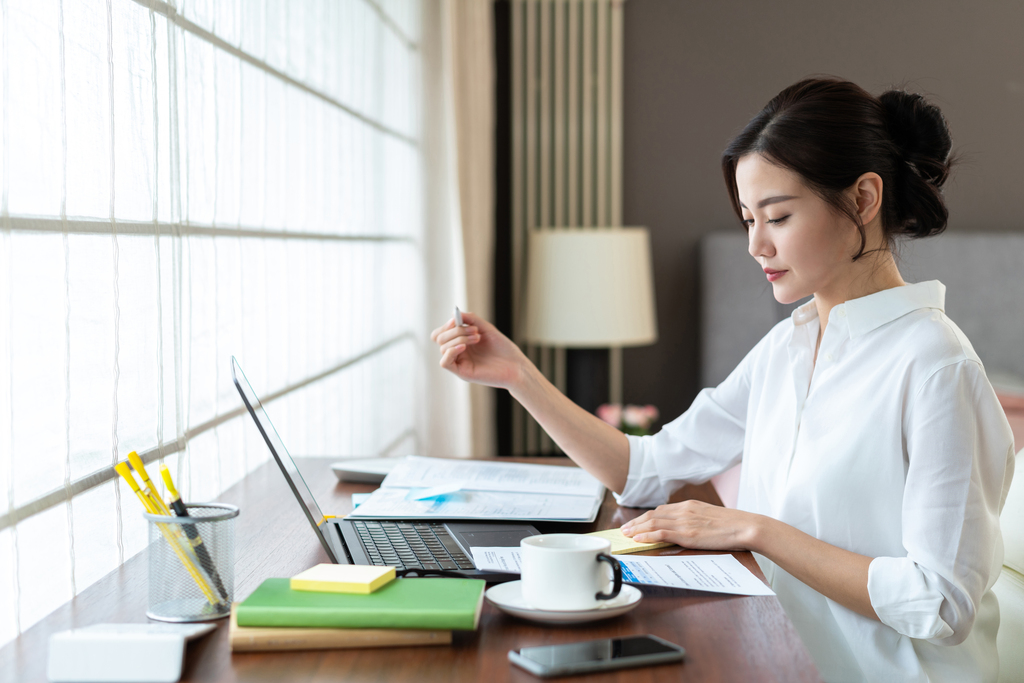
[[874, 310]]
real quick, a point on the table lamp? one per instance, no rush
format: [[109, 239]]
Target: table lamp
[[591, 288]]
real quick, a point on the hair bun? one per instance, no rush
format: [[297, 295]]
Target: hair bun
[[920, 134], [830, 132]]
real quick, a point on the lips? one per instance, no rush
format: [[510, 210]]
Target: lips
[[773, 274]]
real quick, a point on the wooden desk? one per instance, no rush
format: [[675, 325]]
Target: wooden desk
[[727, 638]]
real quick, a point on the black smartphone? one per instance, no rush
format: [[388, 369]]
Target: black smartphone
[[596, 655]]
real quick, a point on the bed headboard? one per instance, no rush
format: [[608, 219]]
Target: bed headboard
[[983, 274]]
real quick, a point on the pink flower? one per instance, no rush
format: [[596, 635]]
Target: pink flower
[[635, 416], [611, 413], [641, 417]]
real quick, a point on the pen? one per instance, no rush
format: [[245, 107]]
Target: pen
[[190, 566], [458, 318], [193, 534]]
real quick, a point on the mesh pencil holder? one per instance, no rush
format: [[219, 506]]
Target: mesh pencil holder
[[192, 563]]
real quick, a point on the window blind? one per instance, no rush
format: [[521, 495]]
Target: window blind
[[183, 182]]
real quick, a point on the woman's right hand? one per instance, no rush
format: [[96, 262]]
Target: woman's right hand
[[480, 353]]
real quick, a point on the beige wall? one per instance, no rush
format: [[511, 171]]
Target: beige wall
[[696, 71]]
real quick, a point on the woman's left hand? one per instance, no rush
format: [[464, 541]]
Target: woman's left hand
[[693, 524]]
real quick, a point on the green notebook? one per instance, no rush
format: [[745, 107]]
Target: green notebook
[[403, 603]]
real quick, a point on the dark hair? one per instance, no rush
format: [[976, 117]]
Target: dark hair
[[830, 132]]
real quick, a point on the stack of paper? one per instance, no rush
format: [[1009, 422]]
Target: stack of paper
[[435, 488], [362, 579], [712, 573]]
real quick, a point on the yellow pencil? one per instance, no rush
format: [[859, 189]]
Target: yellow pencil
[[147, 486], [122, 469], [175, 543]]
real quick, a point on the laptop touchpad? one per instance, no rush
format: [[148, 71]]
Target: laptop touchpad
[[487, 536]]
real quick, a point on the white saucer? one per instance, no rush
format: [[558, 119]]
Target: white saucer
[[508, 597]]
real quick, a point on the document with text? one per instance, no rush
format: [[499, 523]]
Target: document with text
[[477, 475], [712, 573], [436, 488]]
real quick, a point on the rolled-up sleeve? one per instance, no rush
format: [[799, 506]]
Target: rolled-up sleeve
[[705, 440], [959, 452]]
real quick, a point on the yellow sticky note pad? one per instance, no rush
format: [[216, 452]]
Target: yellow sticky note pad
[[624, 545], [342, 578]]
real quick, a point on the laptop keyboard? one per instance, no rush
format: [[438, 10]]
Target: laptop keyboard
[[408, 545]]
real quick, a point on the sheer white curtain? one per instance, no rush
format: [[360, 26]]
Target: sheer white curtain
[[183, 182], [471, 58]]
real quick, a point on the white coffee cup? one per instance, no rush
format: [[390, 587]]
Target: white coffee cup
[[568, 572]]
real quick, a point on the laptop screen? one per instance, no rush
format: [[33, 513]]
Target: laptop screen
[[277, 448]]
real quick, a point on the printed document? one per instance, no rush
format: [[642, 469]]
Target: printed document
[[475, 475], [394, 504], [436, 488], [712, 573]]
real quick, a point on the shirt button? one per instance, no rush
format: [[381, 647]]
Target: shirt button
[[828, 356], [842, 312]]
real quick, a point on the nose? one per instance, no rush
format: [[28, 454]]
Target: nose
[[760, 245]]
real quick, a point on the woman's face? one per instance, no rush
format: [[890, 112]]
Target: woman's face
[[799, 241]]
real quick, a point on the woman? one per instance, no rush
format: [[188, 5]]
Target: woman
[[875, 456]]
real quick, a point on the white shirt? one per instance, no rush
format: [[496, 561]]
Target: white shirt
[[893, 446]]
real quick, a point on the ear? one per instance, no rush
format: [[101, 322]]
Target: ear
[[867, 196]]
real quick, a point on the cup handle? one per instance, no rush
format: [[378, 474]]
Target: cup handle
[[617, 570]]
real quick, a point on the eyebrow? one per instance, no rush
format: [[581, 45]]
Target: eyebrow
[[771, 200]]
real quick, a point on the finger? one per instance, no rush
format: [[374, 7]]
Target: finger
[[641, 528], [670, 511], [659, 526], [649, 537], [451, 356], [656, 536], [447, 326], [629, 527], [463, 341], [658, 522], [455, 333]]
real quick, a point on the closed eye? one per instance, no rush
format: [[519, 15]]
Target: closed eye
[[777, 221]]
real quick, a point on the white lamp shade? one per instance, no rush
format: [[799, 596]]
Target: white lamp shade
[[590, 287]]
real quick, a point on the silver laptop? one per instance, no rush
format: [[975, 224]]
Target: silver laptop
[[434, 547]]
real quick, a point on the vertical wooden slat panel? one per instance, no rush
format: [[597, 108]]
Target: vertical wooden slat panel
[[558, 60], [587, 115], [573, 110], [544, 129], [560, 139], [601, 92], [558, 161], [545, 161], [518, 201], [532, 175], [567, 144], [615, 162]]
